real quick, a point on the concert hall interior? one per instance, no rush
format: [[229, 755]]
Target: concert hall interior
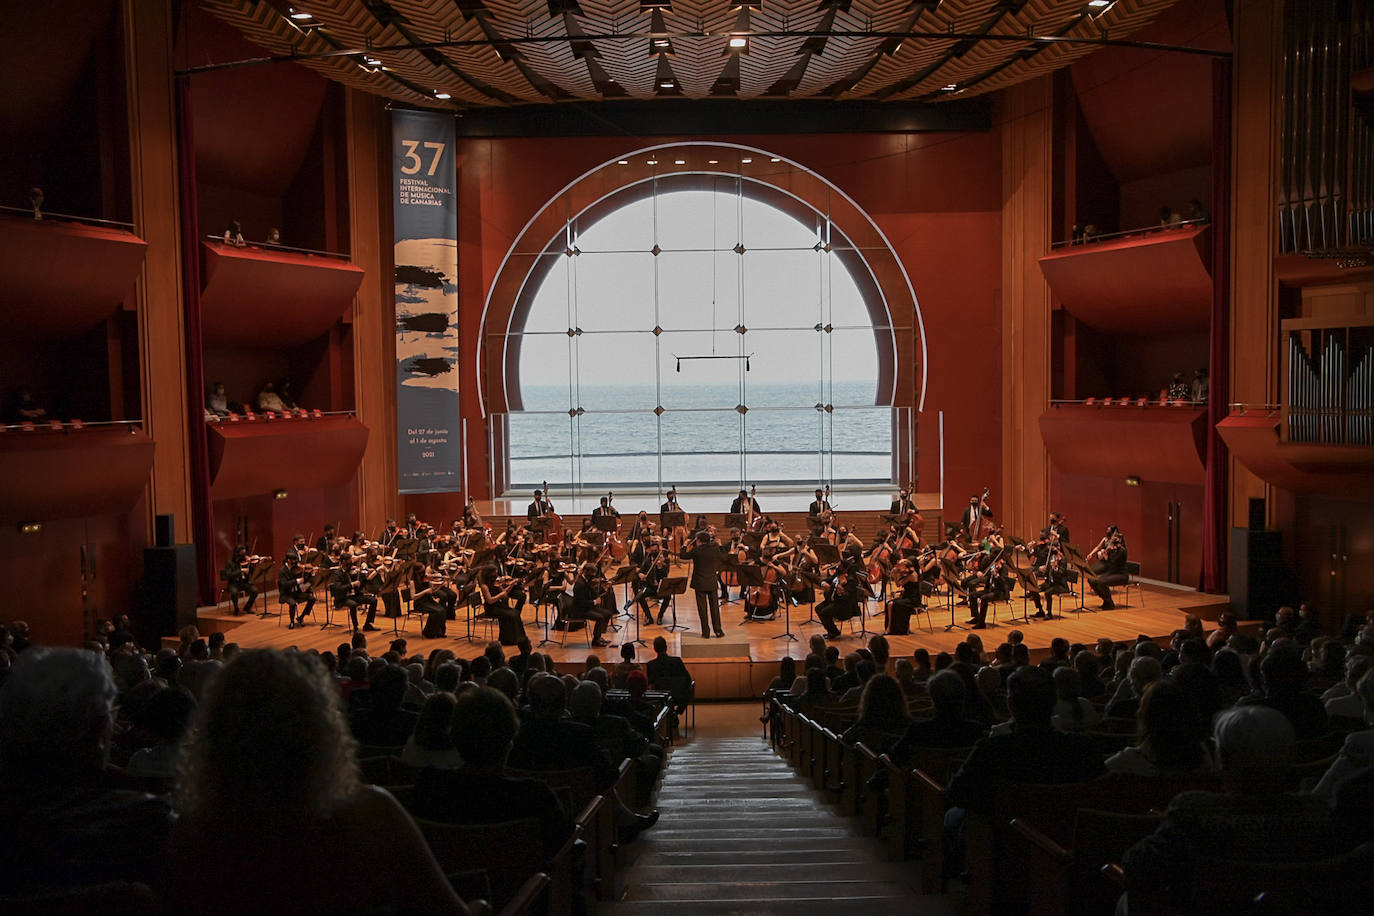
[[731, 322]]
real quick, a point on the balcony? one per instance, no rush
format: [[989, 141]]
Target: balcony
[[1164, 443], [252, 457], [71, 470]]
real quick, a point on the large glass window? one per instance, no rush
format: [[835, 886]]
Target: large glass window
[[699, 337]]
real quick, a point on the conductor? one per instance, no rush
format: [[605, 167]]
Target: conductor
[[706, 555]]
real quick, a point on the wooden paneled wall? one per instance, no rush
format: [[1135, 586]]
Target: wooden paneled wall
[[1027, 126]]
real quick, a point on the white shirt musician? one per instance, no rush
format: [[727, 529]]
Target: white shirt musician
[[540, 507], [820, 506]]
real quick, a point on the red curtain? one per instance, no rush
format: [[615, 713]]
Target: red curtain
[[202, 520], [1215, 514]]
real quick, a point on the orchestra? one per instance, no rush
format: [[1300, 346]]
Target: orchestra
[[833, 571]]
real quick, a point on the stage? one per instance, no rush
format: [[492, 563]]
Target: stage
[[743, 663]]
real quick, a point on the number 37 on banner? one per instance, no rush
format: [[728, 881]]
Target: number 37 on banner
[[413, 163]]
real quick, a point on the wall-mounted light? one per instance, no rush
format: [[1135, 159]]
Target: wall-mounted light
[[280, 494], [30, 527], [1132, 481]]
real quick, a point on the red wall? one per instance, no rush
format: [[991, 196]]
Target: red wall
[[937, 197]]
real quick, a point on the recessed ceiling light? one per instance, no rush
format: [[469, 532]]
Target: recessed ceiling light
[[679, 162], [950, 88], [775, 159], [713, 161], [666, 84], [1099, 4], [442, 95], [653, 162], [739, 41], [660, 42], [746, 160], [623, 162], [299, 14]]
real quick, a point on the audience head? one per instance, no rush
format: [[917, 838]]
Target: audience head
[[943, 660], [479, 667], [599, 677], [547, 696], [964, 654], [1282, 671], [495, 656], [1020, 655], [882, 700], [906, 671], [787, 670], [817, 644], [269, 744], [1193, 651], [989, 681], [1059, 649], [832, 656], [816, 684], [1167, 724], [660, 645], [1145, 670], [506, 681], [56, 717], [167, 714], [387, 688], [627, 652], [1016, 637], [881, 651], [586, 701], [921, 659], [1255, 744], [1068, 683], [947, 693], [432, 728], [1001, 656], [1031, 697], [484, 725], [636, 682]]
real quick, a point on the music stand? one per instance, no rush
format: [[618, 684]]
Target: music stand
[[674, 519], [750, 576], [952, 579], [623, 575], [605, 523], [1028, 584], [405, 548], [1085, 576], [669, 589], [329, 623], [826, 552], [539, 527]]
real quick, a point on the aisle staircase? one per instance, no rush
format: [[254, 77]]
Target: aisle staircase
[[742, 833]]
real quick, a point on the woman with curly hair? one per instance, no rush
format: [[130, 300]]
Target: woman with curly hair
[[269, 786], [883, 715]]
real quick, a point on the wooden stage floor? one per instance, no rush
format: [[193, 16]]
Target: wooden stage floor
[[745, 661]]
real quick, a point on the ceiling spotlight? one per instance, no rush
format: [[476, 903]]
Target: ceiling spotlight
[[775, 159], [679, 162], [746, 160], [712, 161], [623, 162], [661, 42], [665, 84], [442, 95], [299, 14], [1099, 4], [739, 41], [653, 162]]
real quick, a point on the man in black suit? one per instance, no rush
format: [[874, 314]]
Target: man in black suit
[[671, 504], [819, 506], [706, 555], [902, 504], [663, 665], [605, 509], [586, 605], [292, 590], [1057, 526], [846, 601], [973, 516], [540, 507], [1109, 569]]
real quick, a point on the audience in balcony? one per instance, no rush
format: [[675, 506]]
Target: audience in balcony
[[268, 399], [1168, 217], [1197, 213], [1201, 385], [33, 202], [25, 408], [233, 234], [1179, 390]]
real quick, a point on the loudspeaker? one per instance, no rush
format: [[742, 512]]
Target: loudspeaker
[[716, 648], [1257, 514], [164, 530], [1259, 583], [167, 594]]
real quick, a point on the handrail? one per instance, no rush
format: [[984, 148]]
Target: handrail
[[36, 425], [1123, 233], [1242, 407], [1150, 401], [269, 246], [261, 416], [68, 218]]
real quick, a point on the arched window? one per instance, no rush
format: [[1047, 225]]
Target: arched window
[[699, 335]]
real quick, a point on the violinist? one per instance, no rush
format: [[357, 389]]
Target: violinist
[[502, 597], [587, 606], [297, 551], [472, 519], [238, 579], [293, 590], [1052, 575], [846, 599], [357, 545], [1057, 526], [1108, 564], [652, 570], [907, 582], [346, 588], [326, 540], [390, 535], [989, 582]]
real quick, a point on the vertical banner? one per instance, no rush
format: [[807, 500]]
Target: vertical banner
[[428, 445]]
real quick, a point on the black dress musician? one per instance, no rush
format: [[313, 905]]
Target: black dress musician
[[345, 587], [237, 581], [503, 604], [293, 590], [846, 600], [906, 602], [1109, 567]]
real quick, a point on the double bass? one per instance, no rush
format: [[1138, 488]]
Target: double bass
[[617, 545], [555, 532]]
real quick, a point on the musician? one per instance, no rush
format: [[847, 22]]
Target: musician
[[990, 582], [346, 588], [326, 540], [540, 507], [238, 581], [1052, 577], [744, 504], [297, 550], [678, 535], [502, 598], [706, 555], [773, 539], [651, 571], [413, 526], [472, 519], [605, 509], [586, 605], [820, 506], [642, 527], [671, 504], [390, 534], [1056, 525], [899, 610], [293, 589], [973, 517], [1108, 565], [846, 599], [903, 504], [849, 542]]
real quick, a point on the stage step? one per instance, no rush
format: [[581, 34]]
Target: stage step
[[740, 832]]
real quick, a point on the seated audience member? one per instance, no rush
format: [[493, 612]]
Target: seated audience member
[[920, 659], [663, 669], [1343, 700], [164, 719], [1227, 626], [1170, 739], [1089, 666], [787, 675], [863, 672], [616, 735], [268, 399], [1357, 753], [233, 234], [883, 717], [431, 744], [1071, 711], [62, 827], [484, 728], [947, 727], [1283, 678], [548, 740], [217, 402], [1143, 672], [627, 664], [382, 721], [1229, 670], [269, 784], [1252, 820], [907, 680]]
